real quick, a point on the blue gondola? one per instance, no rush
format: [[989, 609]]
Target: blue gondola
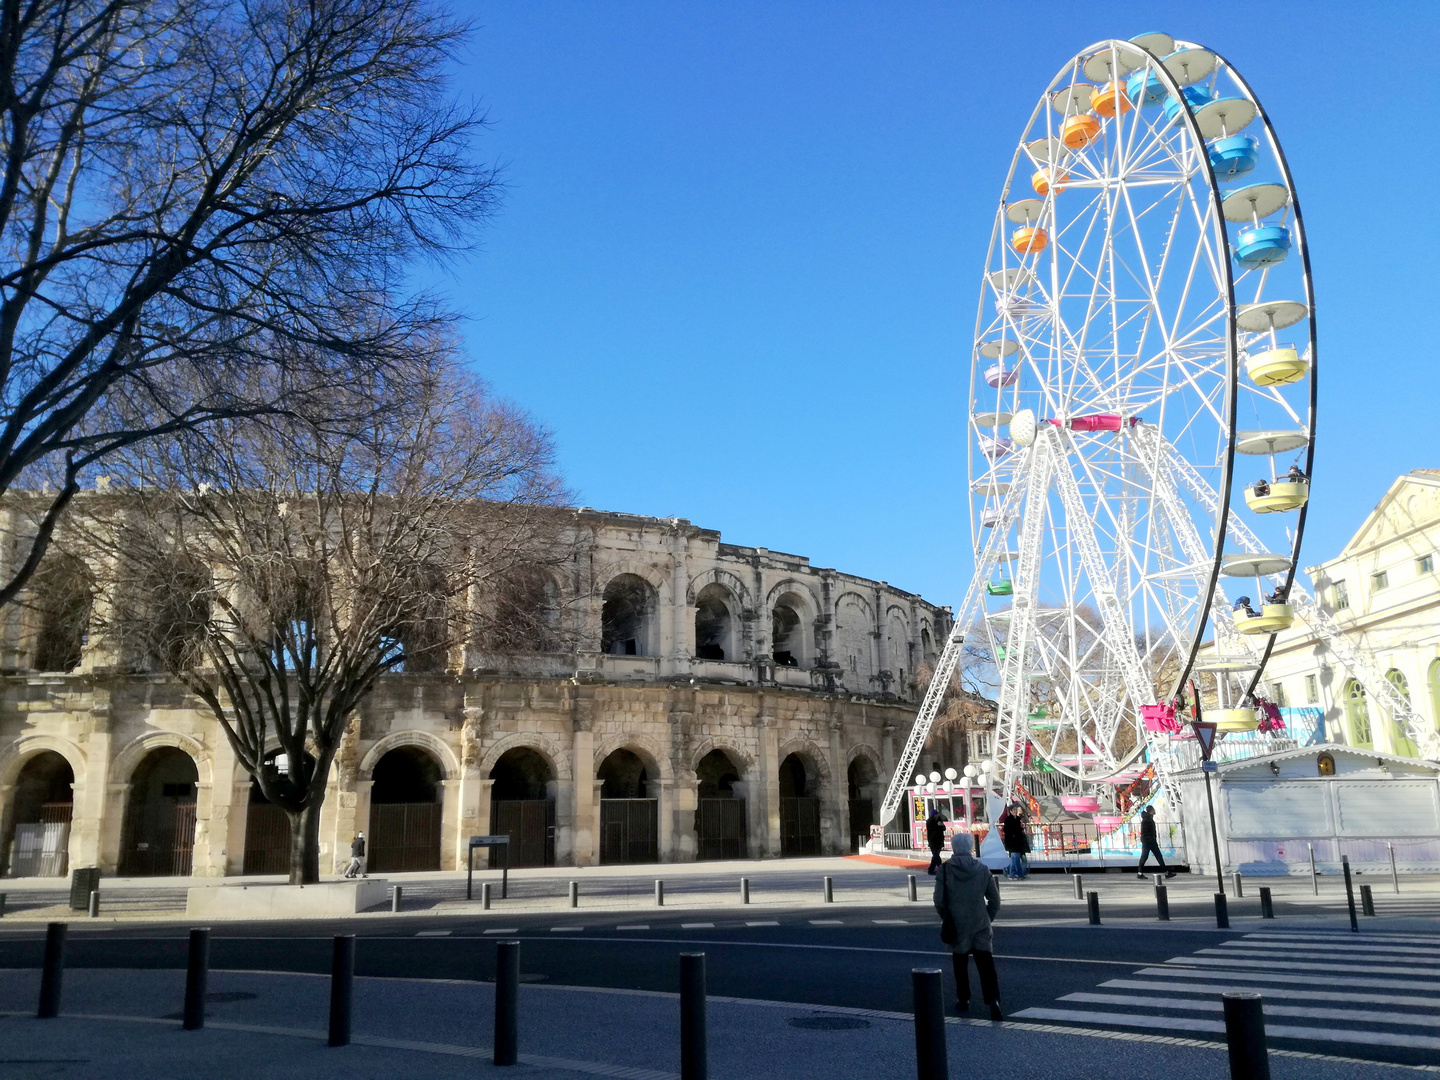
[[1262, 245], [1234, 156], [1145, 88], [1195, 95]]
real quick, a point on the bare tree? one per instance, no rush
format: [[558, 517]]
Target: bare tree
[[203, 197], [277, 569]]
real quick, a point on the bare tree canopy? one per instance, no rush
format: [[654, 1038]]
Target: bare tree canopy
[[277, 568], [202, 197]]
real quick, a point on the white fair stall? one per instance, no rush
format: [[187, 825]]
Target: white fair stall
[[1272, 811]]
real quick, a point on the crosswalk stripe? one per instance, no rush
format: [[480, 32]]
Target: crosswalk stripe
[[1278, 1031], [1367, 1016], [566, 929], [1343, 935], [1283, 992], [697, 926], [1407, 950], [1311, 980], [645, 927], [768, 922], [507, 930], [432, 933], [827, 922], [891, 922], [1418, 965], [1296, 965]]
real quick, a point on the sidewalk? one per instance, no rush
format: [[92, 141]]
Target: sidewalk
[[123, 1025]]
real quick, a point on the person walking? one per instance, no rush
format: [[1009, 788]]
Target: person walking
[[357, 857], [1015, 841], [967, 898], [935, 838], [1150, 843]]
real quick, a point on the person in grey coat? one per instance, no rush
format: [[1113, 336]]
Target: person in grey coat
[[967, 890]]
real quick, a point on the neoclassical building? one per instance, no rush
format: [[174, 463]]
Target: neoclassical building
[[714, 701]]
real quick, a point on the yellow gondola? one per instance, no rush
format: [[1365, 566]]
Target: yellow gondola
[[1272, 618]]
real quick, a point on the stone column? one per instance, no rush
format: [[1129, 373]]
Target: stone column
[[214, 803], [582, 770], [450, 826], [764, 788], [89, 824], [838, 843], [239, 823]]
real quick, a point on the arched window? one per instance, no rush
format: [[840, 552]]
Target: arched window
[[627, 617], [63, 596], [787, 632], [1357, 715], [714, 624], [1404, 745]]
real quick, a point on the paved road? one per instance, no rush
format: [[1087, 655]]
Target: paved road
[[1368, 996]]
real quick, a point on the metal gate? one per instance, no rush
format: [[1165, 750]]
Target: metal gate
[[530, 824], [267, 839], [403, 836], [862, 816], [629, 830], [721, 828], [159, 839], [799, 827]]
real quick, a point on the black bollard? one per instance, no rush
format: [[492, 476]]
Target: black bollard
[[507, 1001], [53, 971], [342, 988], [395, 899], [829, 890], [1222, 911], [1349, 893], [2, 904], [930, 1060], [1079, 888], [485, 895], [1367, 900], [659, 893], [1092, 903], [744, 890], [694, 1061], [574, 894], [1267, 907], [197, 970], [914, 888], [1245, 1036], [1162, 903]]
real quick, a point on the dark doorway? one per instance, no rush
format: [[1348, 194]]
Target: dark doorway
[[40, 823], [522, 806], [267, 826], [405, 811], [629, 818], [625, 617], [799, 810], [159, 827], [713, 625], [862, 779], [721, 825], [786, 636]]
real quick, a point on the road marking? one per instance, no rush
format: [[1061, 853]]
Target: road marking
[[826, 922], [508, 930], [1282, 992], [1295, 965], [1340, 935], [891, 922], [770, 922], [432, 933], [1277, 1031], [697, 926], [1368, 1016], [566, 929], [1404, 950], [1308, 980], [632, 927]]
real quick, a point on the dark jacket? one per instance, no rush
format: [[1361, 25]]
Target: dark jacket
[[1147, 829], [935, 832], [357, 848], [966, 886], [1013, 835]]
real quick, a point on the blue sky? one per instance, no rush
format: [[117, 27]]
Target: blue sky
[[737, 263]]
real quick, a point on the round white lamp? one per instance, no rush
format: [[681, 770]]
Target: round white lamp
[[919, 779], [971, 771], [951, 774], [934, 777]]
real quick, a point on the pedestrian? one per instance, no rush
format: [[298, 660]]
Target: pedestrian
[[1016, 842], [935, 838], [357, 857], [1150, 843], [968, 897]]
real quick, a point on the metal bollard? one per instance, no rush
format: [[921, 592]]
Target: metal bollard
[[1079, 888], [94, 903], [914, 888], [659, 893], [1239, 884], [930, 1060], [395, 899], [197, 971], [1367, 900], [829, 890], [744, 890], [2, 905], [53, 971], [1394, 878], [1314, 874], [574, 894], [507, 1001], [1158, 879], [1162, 903], [485, 895], [1245, 1036], [1092, 903], [694, 1060], [342, 989], [1349, 893], [1222, 911], [1267, 907]]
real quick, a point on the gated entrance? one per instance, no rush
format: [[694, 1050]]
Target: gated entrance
[[522, 806], [629, 830], [799, 809], [405, 813], [722, 829], [158, 833]]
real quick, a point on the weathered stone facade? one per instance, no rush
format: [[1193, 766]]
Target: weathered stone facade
[[803, 678]]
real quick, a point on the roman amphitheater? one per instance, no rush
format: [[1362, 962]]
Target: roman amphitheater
[[722, 702]]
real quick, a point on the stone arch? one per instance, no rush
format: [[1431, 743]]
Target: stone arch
[[643, 746], [854, 647], [792, 611], [14, 757], [813, 756], [719, 576], [542, 744], [437, 747], [719, 633], [630, 616], [795, 585], [806, 813], [741, 757], [866, 751], [865, 791], [620, 567], [128, 759], [161, 775]]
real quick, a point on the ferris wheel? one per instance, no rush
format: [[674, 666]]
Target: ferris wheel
[[1142, 394]]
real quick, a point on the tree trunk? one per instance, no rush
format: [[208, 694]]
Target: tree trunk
[[305, 846]]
